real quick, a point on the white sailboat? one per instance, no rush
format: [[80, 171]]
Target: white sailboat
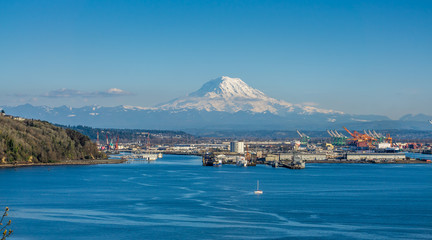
[[258, 191]]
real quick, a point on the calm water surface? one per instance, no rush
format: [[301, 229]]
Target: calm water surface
[[176, 198]]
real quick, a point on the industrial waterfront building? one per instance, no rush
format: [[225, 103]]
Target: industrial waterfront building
[[237, 147]]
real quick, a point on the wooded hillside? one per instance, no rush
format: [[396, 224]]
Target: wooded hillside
[[34, 141]]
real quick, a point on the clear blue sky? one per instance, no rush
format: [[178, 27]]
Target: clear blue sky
[[354, 56]]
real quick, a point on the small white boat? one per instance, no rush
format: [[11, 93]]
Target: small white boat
[[258, 191]]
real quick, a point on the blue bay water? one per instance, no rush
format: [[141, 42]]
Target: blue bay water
[[419, 156], [177, 198]]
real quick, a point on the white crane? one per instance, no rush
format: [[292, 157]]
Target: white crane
[[340, 134], [335, 133], [331, 134], [371, 134], [379, 135], [302, 134]]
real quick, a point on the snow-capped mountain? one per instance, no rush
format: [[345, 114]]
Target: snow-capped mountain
[[232, 95], [223, 103]]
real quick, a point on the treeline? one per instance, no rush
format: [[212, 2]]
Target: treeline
[[27, 141], [130, 135]]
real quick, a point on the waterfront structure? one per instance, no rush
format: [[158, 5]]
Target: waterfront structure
[[237, 147], [304, 138], [337, 138], [375, 156]]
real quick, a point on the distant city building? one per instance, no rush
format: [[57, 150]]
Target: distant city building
[[237, 147]]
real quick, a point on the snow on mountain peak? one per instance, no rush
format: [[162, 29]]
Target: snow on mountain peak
[[233, 95], [229, 95], [227, 87]]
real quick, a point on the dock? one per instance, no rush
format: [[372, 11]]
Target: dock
[[143, 156]]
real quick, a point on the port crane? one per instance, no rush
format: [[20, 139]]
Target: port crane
[[147, 144], [340, 134], [338, 139], [379, 135], [369, 133], [360, 139], [334, 133], [302, 134], [117, 143], [304, 138]]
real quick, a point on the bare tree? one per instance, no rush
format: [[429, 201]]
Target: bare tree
[[6, 228]]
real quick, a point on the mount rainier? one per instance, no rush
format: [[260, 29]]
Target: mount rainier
[[232, 95], [222, 103]]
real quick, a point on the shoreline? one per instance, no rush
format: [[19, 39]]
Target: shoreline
[[369, 162], [377, 161], [64, 163]]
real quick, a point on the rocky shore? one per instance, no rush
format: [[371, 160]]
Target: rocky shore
[[66, 162]]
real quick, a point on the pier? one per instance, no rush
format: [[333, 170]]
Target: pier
[[295, 162], [143, 156]]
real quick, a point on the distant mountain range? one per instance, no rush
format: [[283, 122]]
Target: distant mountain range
[[222, 104]]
